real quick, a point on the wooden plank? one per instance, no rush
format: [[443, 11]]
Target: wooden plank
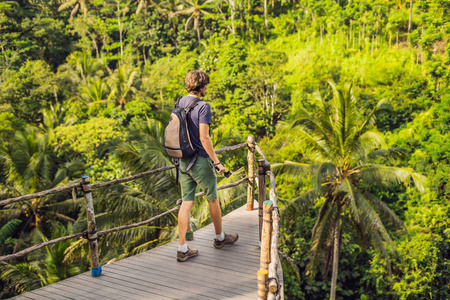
[[178, 280], [169, 264], [197, 289], [50, 295], [125, 284], [54, 290], [112, 290], [238, 250], [21, 297], [89, 288], [202, 274], [39, 295], [228, 254], [219, 265], [77, 293], [186, 289]]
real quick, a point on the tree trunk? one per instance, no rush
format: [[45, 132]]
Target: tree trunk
[[265, 12], [120, 31], [410, 16], [231, 2], [397, 39], [145, 57], [371, 53], [336, 250]]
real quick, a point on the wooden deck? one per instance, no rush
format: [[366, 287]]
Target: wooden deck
[[227, 273]]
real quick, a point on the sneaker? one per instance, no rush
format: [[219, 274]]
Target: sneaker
[[229, 239], [183, 256]]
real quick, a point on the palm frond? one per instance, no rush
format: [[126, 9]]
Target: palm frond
[[377, 242], [372, 221], [382, 208], [347, 187], [389, 153], [305, 200], [321, 236], [385, 175], [8, 229], [23, 277], [291, 168]]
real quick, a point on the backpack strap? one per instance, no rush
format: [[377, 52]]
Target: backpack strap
[[178, 101], [176, 162], [192, 104]]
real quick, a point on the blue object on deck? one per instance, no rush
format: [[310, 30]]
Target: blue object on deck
[[96, 271]]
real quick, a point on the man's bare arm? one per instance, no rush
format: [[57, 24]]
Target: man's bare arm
[[206, 141]]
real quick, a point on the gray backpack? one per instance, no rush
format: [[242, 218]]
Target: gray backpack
[[176, 137]]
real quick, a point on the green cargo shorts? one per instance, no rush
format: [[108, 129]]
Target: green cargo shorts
[[202, 174]]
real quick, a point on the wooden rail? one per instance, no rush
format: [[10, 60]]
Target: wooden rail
[[270, 275]]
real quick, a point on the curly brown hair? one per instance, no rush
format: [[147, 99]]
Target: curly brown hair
[[195, 81]]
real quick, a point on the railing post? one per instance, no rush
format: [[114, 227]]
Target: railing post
[[251, 172], [96, 269], [266, 235], [261, 191], [262, 284], [189, 232]]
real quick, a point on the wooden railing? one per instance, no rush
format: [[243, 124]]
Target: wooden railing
[[270, 275], [271, 287]]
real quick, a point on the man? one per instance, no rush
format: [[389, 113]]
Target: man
[[203, 173]]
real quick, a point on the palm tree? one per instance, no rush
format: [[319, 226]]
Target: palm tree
[[345, 149], [96, 91], [169, 7], [30, 166], [24, 277], [76, 4], [124, 82], [196, 9], [81, 67], [57, 115]]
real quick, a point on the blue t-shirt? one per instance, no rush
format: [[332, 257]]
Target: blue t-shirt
[[201, 113]]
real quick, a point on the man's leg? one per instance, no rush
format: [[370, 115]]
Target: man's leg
[[183, 219], [216, 215]]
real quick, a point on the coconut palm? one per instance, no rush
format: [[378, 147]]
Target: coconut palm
[[57, 115], [81, 67], [196, 9], [24, 277], [30, 167], [96, 91], [169, 7], [124, 82], [76, 4], [345, 150]]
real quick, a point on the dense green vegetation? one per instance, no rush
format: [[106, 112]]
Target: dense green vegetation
[[86, 87]]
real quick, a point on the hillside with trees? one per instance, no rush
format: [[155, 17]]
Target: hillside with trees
[[350, 99]]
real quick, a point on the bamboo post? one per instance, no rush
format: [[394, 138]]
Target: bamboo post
[[266, 235], [273, 281], [261, 191], [251, 172], [96, 269], [262, 284], [189, 232]]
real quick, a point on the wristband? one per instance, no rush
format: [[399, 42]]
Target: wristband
[[217, 163]]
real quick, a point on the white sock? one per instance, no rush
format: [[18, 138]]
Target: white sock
[[220, 237], [183, 248]]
